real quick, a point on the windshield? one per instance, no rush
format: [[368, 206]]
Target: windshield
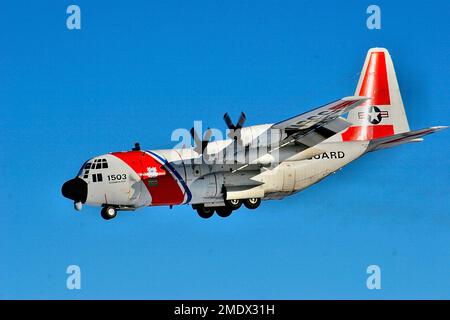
[[85, 165]]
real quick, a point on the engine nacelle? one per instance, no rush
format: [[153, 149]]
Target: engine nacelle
[[260, 136], [216, 185]]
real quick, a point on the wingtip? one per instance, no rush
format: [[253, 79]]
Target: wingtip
[[438, 128]]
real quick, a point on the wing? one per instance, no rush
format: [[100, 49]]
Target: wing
[[310, 128], [320, 115]]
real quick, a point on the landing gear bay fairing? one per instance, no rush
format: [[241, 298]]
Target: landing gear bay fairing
[[254, 163]]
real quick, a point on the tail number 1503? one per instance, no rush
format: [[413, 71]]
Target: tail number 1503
[[117, 177]]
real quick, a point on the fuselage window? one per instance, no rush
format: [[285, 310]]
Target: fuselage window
[[97, 177]]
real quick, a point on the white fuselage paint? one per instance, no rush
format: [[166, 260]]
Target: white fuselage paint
[[205, 182], [127, 192], [276, 182]]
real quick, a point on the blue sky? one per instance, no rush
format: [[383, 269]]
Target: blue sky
[[139, 69]]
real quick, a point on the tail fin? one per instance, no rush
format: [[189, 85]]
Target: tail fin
[[383, 114]]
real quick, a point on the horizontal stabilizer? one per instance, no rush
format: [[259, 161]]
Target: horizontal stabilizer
[[402, 138]]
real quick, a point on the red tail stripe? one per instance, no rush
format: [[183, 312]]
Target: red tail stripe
[[375, 82], [368, 132]]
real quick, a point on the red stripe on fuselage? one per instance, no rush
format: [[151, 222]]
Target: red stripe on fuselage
[[163, 188]]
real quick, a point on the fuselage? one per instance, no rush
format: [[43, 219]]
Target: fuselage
[[133, 179]]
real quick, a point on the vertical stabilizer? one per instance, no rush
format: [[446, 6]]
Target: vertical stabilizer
[[383, 114]]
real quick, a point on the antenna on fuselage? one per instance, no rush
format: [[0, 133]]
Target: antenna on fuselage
[[137, 147]]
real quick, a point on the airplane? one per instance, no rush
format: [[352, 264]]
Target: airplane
[[254, 163]]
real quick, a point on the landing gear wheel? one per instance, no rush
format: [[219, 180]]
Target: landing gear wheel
[[233, 204], [108, 213], [252, 203], [224, 211], [205, 212]]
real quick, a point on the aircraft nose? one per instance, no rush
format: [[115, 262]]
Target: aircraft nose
[[75, 189]]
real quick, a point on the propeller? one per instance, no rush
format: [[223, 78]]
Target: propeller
[[230, 123], [201, 144], [235, 129]]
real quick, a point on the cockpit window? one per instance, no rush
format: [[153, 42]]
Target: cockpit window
[[93, 165], [100, 164], [81, 169]]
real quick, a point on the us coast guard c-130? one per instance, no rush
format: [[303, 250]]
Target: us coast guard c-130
[[288, 156]]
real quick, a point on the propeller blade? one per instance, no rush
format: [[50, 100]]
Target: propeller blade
[[201, 144], [228, 121], [241, 121], [197, 140], [207, 135], [206, 138]]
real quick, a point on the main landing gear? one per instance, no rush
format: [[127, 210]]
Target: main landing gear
[[224, 212], [227, 210], [204, 212], [252, 203]]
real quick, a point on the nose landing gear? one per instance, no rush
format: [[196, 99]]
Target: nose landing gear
[[108, 212]]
